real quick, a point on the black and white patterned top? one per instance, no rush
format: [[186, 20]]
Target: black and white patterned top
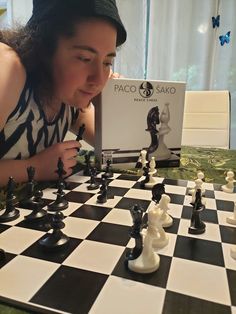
[[27, 130]]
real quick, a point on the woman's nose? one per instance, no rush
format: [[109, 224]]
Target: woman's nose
[[97, 75]]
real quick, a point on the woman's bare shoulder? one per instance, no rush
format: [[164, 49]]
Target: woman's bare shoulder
[[12, 78]]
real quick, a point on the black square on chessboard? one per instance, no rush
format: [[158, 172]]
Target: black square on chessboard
[[199, 250], [56, 255], [116, 191], [71, 290], [71, 185], [173, 228], [158, 278], [78, 197], [225, 205], [209, 194], [207, 215], [8, 258], [128, 203], [129, 177], [4, 227], [110, 233], [176, 198], [231, 274], [182, 304], [43, 224], [228, 234], [91, 212], [217, 186]]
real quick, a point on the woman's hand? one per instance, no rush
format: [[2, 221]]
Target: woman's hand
[[45, 162], [114, 75]]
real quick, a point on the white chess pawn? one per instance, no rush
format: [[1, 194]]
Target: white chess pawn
[[232, 219], [199, 182], [152, 170], [166, 219], [148, 261], [233, 251], [162, 239], [152, 166], [229, 186], [144, 158]]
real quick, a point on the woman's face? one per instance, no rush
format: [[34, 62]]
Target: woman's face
[[81, 64]]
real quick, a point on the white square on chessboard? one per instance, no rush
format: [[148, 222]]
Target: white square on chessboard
[[22, 285], [78, 227], [139, 194], [95, 256], [220, 195], [157, 179], [111, 202], [16, 240], [84, 188], [210, 203], [78, 178], [71, 208], [119, 216], [222, 215], [205, 185], [115, 175], [180, 190], [199, 280], [122, 183], [230, 263], [233, 309], [49, 193], [121, 295], [212, 232], [175, 210], [23, 213], [168, 250]]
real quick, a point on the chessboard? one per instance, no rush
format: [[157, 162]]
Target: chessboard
[[89, 275]]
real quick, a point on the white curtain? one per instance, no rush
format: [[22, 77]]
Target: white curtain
[[175, 40]]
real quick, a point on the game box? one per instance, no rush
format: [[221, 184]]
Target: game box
[[134, 115]]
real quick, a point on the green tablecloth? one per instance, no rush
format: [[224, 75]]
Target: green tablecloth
[[213, 162]]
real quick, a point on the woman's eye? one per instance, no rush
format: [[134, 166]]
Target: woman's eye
[[108, 64], [84, 59]]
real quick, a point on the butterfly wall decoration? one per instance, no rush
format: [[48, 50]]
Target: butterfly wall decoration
[[216, 21], [224, 39]]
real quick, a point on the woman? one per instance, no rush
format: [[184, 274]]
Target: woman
[[50, 71]]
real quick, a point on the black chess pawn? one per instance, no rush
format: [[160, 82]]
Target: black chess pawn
[[197, 225], [80, 134], [10, 213], [57, 239], [102, 197], [60, 203], [108, 170], [27, 201], [93, 184], [137, 216], [146, 179], [38, 211], [87, 158]]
